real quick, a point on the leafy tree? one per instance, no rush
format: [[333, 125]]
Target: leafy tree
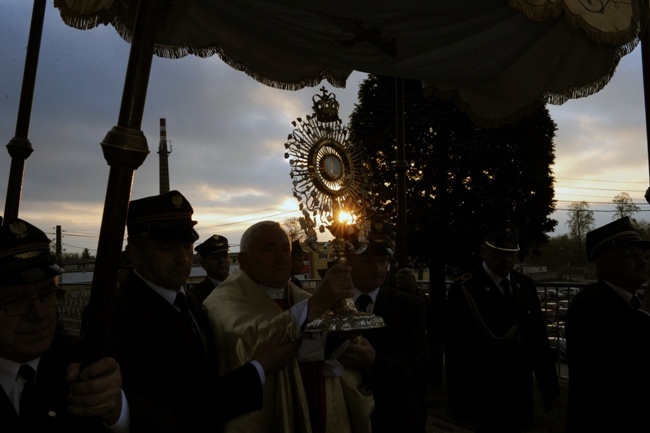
[[292, 226], [580, 221], [643, 227], [624, 206], [461, 179]]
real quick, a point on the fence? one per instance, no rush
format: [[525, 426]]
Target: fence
[[554, 299]]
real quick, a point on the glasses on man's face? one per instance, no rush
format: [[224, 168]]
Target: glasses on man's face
[[22, 304]]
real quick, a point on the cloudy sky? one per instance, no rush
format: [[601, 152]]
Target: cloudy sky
[[227, 134]]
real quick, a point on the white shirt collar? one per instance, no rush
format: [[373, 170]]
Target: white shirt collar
[[497, 279], [274, 293], [9, 372], [168, 294], [627, 296], [373, 294]]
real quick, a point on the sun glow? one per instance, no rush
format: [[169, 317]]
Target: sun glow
[[345, 218]]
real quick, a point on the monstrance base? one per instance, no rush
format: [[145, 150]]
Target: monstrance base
[[345, 320]]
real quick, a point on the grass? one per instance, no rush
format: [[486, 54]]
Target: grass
[[543, 422]]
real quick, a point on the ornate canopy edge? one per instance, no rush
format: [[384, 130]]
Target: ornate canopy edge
[[121, 15], [613, 22]]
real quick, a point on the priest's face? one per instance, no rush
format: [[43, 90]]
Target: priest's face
[[268, 260]]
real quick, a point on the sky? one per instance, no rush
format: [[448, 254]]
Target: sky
[[227, 134]]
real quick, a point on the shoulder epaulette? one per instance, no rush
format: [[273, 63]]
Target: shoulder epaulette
[[463, 278]]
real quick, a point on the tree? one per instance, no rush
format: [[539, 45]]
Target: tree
[[462, 179], [625, 207], [580, 221], [292, 225], [643, 227]]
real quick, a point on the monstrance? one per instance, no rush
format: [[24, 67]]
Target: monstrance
[[330, 182]]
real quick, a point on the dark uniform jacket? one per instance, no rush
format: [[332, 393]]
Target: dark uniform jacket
[[402, 365], [608, 345], [176, 372], [48, 412], [492, 348], [202, 290]]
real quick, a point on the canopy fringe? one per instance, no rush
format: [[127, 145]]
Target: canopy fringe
[[547, 98], [311, 81], [121, 14], [82, 22], [596, 86], [179, 52], [542, 12], [122, 17]]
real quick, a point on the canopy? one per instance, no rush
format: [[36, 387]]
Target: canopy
[[498, 58]]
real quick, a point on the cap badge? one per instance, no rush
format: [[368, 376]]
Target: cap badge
[[27, 255], [18, 228], [177, 201]]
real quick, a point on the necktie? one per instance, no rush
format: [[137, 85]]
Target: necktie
[[181, 303], [26, 372], [635, 302], [362, 302], [505, 285]]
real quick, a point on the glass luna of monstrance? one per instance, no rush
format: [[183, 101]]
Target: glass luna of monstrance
[[330, 182]]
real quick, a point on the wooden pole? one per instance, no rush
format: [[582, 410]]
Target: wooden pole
[[19, 147], [645, 53], [125, 149]]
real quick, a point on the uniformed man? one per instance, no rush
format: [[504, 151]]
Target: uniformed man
[[41, 386], [165, 330], [215, 259], [607, 331], [395, 358], [495, 339]]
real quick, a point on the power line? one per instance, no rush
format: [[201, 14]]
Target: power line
[[601, 180], [208, 225], [202, 229]]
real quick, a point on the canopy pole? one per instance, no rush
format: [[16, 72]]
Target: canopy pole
[[19, 147], [125, 149], [645, 53], [400, 167]]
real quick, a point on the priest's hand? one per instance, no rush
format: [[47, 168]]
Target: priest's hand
[[272, 355], [96, 391], [359, 354], [405, 280], [337, 284]]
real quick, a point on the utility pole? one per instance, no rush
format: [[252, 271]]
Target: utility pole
[[59, 248], [163, 157]]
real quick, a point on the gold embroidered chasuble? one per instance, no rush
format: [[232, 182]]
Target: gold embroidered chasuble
[[242, 315]]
